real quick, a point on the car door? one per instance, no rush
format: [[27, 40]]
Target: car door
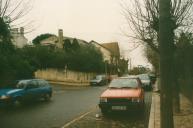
[[31, 91], [42, 88]]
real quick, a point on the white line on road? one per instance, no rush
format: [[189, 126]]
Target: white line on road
[[78, 118]]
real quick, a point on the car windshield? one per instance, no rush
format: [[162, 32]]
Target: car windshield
[[143, 77], [124, 83], [21, 84]]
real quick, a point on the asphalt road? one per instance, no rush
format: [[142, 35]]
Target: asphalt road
[[66, 104]]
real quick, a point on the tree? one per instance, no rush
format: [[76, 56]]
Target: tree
[[153, 57], [75, 44], [5, 35], [144, 21], [67, 45], [87, 59], [138, 70], [13, 12], [12, 65], [166, 57], [184, 63]]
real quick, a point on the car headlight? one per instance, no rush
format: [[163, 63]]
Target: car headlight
[[4, 97], [103, 99], [136, 100]]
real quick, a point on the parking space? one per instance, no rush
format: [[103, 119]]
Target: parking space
[[130, 119]]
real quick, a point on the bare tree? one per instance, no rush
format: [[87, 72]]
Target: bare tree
[[144, 19], [13, 12], [166, 56]]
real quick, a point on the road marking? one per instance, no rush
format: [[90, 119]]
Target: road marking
[[78, 118]]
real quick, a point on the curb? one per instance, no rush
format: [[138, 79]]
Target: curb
[[75, 84], [154, 119], [152, 113]]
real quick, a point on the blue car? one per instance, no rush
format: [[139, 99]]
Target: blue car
[[25, 90]]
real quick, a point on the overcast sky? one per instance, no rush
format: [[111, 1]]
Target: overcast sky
[[99, 20]]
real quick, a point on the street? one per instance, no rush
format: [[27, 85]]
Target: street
[[67, 104]]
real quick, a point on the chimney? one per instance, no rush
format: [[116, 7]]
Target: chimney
[[60, 36], [22, 31]]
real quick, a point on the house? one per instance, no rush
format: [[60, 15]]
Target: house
[[18, 38], [111, 54], [105, 52], [115, 52], [115, 55], [58, 41]]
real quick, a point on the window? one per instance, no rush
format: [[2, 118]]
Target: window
[[32, 84]]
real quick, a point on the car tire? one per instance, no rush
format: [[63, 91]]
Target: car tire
[[16, 102], [99, 84], [47, 97]]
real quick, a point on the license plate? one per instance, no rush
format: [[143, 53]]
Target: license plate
[[119, 108]]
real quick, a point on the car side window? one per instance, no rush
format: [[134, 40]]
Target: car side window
[[42, 83], [21, 84], [32, 84]]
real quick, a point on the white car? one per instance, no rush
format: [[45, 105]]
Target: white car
[[146, 81]]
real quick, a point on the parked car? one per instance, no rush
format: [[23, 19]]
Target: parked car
[[25, 90], [146, 81], [122, 94], [152, 78], [99, 80]]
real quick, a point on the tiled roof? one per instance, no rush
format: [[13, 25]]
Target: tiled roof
[[92, 41], [113, 46]]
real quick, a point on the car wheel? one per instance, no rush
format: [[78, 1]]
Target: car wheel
[[47, 97], [16, 102]]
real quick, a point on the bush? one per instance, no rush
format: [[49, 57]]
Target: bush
[[22, 63]]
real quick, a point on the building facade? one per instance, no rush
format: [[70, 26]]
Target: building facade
[[115, 56], [58, 41], [18, 38], [105, 52]]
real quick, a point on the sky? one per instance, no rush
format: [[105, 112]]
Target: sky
[[99, 20]]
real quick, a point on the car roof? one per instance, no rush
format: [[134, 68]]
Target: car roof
[[127, 77]]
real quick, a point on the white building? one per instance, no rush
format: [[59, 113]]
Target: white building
[[106, 52], [18, 38]]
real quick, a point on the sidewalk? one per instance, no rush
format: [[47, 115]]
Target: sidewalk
[[185, 118], [182, 120], [154, 118]]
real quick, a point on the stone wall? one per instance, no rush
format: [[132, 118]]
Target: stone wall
[[65, 77]]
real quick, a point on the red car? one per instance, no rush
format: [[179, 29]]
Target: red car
[[122, 94]]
